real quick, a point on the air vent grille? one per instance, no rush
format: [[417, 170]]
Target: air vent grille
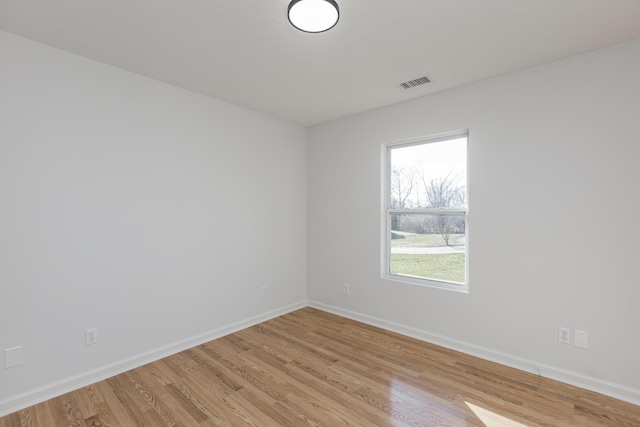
[[415, 82]]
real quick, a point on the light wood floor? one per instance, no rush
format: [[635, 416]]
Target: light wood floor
[[313, 368]]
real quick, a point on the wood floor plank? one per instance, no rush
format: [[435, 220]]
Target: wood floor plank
[[27, 417], [113, 407], [182, 408], [12, 420], [219, 398], [42, 416], [102, 415], [135, 406], [152, 398], [312, 368], [182, 384]]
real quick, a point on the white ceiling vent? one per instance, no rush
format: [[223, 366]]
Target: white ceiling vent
[[415, 82]]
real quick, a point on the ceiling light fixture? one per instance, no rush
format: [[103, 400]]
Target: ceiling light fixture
[[313, 16]]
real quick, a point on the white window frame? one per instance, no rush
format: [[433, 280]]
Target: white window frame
[[387, 212]]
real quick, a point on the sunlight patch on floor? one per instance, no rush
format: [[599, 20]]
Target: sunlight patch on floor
[[491, 419]]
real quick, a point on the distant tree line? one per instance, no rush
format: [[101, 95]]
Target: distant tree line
[[412, 189]]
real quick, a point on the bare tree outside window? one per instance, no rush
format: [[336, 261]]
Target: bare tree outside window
[[402, 183], [443, 192], [402, 186]]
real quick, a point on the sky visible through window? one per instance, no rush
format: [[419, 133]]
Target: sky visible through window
[[436, 160]]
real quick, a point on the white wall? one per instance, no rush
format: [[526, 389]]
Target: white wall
[[554, 219], [149, 212]]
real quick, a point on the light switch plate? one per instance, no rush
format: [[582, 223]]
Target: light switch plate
[[581, 339], [13, 356]]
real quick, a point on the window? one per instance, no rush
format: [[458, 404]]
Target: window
[[425, 237]]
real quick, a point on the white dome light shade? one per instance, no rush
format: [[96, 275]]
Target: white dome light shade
[[313, 16]]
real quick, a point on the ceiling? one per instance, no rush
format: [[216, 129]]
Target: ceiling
[[245, 52]]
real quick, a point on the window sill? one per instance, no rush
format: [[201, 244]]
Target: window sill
[[449, 286]]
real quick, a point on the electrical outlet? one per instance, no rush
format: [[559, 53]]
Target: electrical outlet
[[345, 289], [263, 291], [564, 335], [90, 336]]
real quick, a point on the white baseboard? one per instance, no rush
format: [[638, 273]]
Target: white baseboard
[[49, 391], [617, 391], [32, 397]]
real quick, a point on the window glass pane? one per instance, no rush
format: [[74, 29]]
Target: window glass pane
[[429, 175], [428, 246]]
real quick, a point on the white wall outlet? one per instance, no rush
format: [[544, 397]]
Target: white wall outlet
[[581, 339], [90, 336], [13, 356], [346, 289], [263, 291], [564, 335]]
